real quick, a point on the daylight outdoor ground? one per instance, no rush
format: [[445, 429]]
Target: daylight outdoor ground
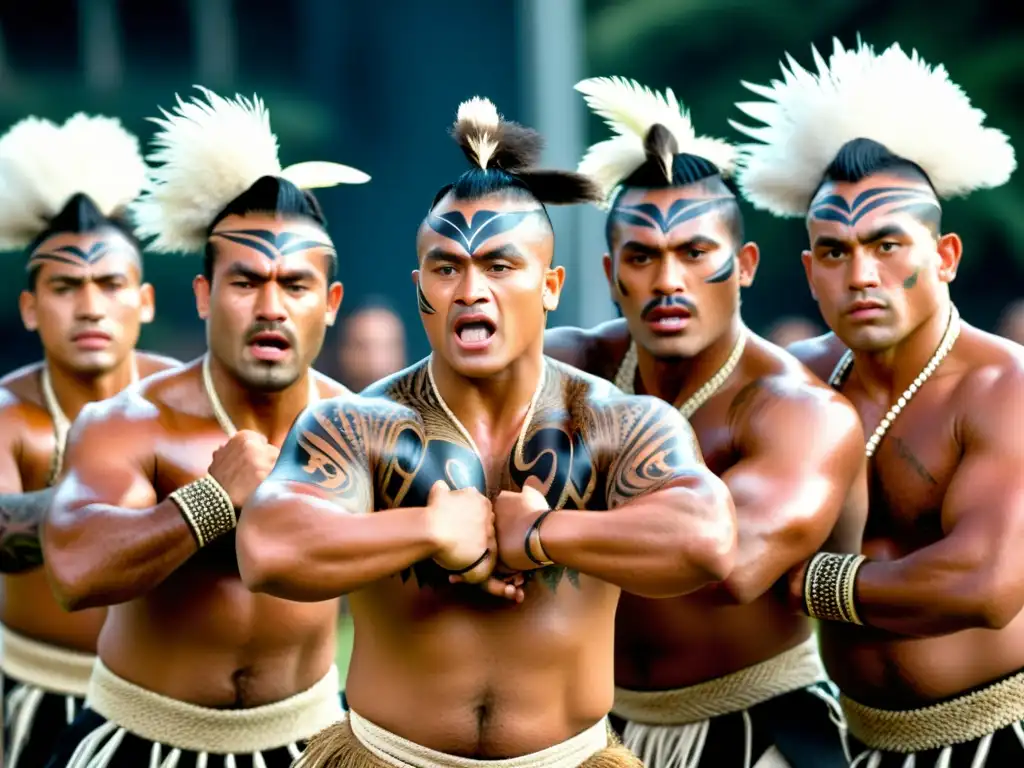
[[344, 645]]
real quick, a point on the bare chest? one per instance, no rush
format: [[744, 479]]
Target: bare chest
[[910, 470], [561, 460]]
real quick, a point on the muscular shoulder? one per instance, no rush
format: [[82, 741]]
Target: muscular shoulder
[[597, 350], [19, 414], [990, 395], [150, 363], [820, 354], [328, 387], [22, 385], [784, 401]]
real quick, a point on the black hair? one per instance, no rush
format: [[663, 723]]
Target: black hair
[[511, 169], [79, 216], [271, 195], [859, 158], [685, 169]]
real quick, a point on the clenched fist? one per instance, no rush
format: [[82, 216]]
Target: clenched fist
[[514, 515], [462, 522], [242, 463]]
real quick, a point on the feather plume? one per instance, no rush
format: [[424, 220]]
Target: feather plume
[[490, 141], [43, 165], [807, 117], [631, 111], [207, 153]]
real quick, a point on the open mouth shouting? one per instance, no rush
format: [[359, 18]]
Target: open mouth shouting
[[667, 315], [474, 331], [269, 346]]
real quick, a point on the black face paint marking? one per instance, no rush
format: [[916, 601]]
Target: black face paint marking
[[72, 254], [485, 225], [425, 306], [667, 301], [650, 216], [835, 207], [724, 272], [621, 287], [911, 281], [272, 244]]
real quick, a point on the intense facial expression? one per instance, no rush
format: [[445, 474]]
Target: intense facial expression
[[89, 302], [877, 267], [269, 303], [373, 347], [675, 268], [485, 281]]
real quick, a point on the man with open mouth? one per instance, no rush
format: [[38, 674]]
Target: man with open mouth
[[484, 508], [193, 668], [63, 193], [730, 676]]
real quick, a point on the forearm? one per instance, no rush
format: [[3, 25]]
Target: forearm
[[99, 555], [305, 549], [21, 515], [924, 595], [668, 543]]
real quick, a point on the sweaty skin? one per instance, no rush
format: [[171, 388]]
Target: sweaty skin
[[86, 302], [943, 590], [419, 640], [27, 444], [181, 623], [790, 453], [789, 449], [353, 506]]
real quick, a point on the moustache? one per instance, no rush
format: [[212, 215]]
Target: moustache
[[668, 301], [263, 326]]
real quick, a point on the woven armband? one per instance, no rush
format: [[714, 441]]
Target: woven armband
[[829, 587], [207, 509]]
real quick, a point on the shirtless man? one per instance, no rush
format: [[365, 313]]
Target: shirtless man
[[933, 677], [443, 674], [193, 668], [729, 675], [86, 300]]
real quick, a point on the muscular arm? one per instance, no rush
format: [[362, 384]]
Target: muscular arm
[[307, 533], [568, 345], [802, 451], [20, 512], [107, 540], [974, 576], [670, 527], [20, 517]]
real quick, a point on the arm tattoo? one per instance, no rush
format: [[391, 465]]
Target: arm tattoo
[[328, 449], [655, 446], [20, 517]]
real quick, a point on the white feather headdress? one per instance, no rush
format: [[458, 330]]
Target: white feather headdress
[[209, 152], [43, 165], [808, 117], [631, 110]]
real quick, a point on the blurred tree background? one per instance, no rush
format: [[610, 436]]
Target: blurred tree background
[[702, 49]]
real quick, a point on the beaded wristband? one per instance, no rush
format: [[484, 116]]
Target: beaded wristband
[[207, 509], [532, 540], [829, 587]]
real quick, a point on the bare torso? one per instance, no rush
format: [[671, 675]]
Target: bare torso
[[909, 477], [201, 636], [677, 642], [448, 666], [27, 604]]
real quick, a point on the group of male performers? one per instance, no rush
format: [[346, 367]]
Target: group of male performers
[[619, 546]]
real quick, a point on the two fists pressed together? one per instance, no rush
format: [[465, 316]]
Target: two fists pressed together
[[480, 541]]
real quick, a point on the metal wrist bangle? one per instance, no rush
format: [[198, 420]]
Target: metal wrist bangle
[[534, 530], [207, 509]]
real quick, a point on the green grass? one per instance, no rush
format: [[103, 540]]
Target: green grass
[[344, 650]]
